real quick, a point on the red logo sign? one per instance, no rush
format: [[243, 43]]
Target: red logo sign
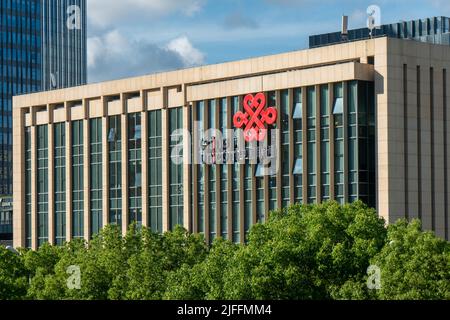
[[255, 117]]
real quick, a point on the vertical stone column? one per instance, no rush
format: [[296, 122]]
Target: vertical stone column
[[86, 172], [346, 156], [291, 147], [69, 205], [230, 176], [332, 141], [34, 207], [105, 162], [125, 200], [279, 146], [51, 178], [19, 181], [187, 141], [305, 143], [165, 169]]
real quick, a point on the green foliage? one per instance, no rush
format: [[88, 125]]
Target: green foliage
[[414, 264], [306, 252], [302, 252], [13, 276]]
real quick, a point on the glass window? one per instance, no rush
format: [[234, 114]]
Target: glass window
[[42, 183], [285, 149], [312, 145], [96, 175], [212, 174], [325, 142], [176, 204], [115, 170], [77, 180], [298, 111], [298, 145], [60, 182], [338, 106], [224, 196], [112, 136], [155, 170], [135, 168], [259, 171], [298, 168]]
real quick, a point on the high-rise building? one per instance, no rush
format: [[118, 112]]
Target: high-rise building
[[43, 47], [365, 119]]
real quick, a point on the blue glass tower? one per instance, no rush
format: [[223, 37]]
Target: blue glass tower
[[43, 47]]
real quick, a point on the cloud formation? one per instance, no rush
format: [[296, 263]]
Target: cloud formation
[[116, 51], [188, 54], [115, 56]]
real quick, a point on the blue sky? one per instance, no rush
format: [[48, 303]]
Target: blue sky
[[135, 37]]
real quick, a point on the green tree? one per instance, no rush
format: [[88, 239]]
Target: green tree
[[13, 276], [40, 265], [302, 252], [305, 252], [414, 264], [203, 281], [162, 255]]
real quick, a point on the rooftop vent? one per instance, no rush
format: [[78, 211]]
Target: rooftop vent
[[344, 32]]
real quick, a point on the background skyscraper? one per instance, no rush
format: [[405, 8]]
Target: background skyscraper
[[43, 47]]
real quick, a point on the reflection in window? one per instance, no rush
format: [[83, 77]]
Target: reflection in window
[[112, 136], [298, 168], [338, 106], [298, 111], [137, 132], [260, 169]]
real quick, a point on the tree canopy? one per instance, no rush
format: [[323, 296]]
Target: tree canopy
[[302, 252]]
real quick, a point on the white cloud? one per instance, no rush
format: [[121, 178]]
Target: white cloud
[[113, 55], [104, 13], [190, 55]]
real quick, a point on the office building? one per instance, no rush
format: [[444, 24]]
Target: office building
[[365, 119]]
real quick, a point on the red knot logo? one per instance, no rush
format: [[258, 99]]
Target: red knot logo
[[255, 117]]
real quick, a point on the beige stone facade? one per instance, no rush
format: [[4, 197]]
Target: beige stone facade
[[412, 132]]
